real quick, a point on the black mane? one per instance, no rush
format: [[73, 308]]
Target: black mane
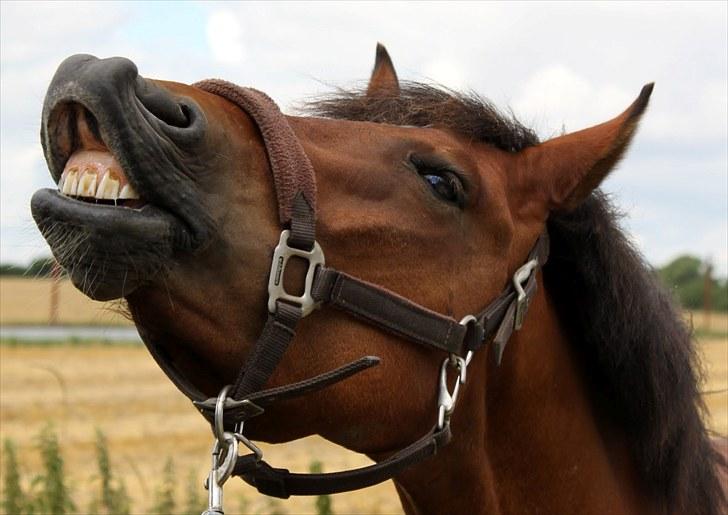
[[423, 105], [639, 355]]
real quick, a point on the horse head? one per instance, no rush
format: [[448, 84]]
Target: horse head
[[166, 197]]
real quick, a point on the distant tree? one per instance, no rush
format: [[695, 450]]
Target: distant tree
[[720, 295], [10, 269], [681, 270], [685, 277], [41, 267]]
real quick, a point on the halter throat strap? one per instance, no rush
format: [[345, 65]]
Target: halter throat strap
[[295, 188]]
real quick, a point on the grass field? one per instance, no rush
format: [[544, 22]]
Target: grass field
[[120, 390], [27, 301]]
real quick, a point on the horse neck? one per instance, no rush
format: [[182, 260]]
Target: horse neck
[[528, 437]]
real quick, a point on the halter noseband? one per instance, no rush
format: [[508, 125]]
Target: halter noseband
[[296, 193]]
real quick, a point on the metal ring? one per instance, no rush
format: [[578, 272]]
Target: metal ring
[[468, 319], [223, 471], [250, 445], [219, 428]]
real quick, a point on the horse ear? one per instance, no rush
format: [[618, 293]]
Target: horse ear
[[569, 167], [383, 81]]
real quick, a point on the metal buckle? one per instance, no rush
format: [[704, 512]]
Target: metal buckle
[[281, 255], [521, 276], [470, 322]]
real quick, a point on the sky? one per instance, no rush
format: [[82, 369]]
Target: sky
[[557, 66]]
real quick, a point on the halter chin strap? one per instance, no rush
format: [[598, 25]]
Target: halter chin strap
[[296, 193]]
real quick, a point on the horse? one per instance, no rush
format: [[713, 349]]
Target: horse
[[465, 244]]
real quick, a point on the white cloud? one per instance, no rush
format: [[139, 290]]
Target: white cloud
[[699, 115], [16, 186], [446, 71], [560, 98], [20, 238], [225, 37]]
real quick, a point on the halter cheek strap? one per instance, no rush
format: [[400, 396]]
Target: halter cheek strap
[[296, 192]]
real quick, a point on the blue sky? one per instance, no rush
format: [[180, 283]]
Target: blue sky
[[557, 65]]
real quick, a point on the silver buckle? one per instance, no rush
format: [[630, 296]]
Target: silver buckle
[[281, 255], [521, 276]]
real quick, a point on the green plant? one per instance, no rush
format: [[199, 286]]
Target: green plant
[[112, 497], [243, 504], [164, 502], [13, 496], [323, 502], [53, 496], [194, 502], [274, 507]]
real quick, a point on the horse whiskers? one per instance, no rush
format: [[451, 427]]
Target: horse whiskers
[[76, 249]]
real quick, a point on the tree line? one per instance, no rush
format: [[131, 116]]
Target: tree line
[[686, 276], [41, 267]]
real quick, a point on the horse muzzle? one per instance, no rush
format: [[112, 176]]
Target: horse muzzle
[[125, 153]]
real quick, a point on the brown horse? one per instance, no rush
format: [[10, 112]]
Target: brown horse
[[166, 199]]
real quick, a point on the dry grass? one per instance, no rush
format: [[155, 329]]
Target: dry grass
[[122, 391], [27, 301], [708, 322]]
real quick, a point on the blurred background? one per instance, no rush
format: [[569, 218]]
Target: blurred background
[[79, 366]]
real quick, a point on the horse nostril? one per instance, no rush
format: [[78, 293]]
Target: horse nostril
[[162, 104]]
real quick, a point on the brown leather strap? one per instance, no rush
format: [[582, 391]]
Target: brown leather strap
[[389, 311], [282, 483], [500, 315], [254, 404], [268, 351], [398, 315], [303, 224]]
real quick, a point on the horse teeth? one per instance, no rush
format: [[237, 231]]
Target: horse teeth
[[128, 192], [87, 184], [70, 184], [108, 187]]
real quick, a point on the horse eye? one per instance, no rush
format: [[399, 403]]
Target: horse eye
[[447, 186]]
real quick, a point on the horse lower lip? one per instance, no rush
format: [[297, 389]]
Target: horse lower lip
[[108, 251]]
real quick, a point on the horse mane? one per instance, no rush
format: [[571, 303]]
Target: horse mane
[[638, 353], [424, 105]]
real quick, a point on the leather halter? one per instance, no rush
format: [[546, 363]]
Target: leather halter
[[296, 193]]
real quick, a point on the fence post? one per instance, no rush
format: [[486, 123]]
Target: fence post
[[55, 287], [707, 294]]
